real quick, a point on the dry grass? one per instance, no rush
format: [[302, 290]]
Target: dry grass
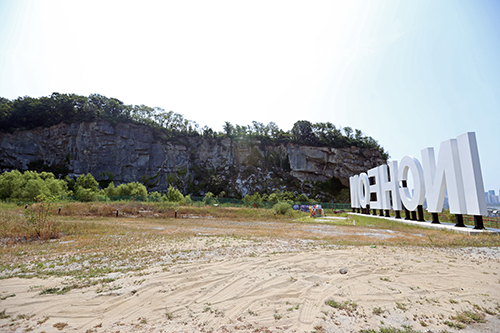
[[94, 242]]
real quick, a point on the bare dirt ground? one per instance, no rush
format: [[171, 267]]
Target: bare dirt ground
[[277, 277]]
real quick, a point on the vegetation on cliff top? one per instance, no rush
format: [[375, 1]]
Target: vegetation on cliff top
[[25, 113]]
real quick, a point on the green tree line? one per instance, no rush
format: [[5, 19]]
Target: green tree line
[[27, 186], [26, 113]]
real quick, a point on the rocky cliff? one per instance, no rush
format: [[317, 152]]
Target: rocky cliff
[[129, 152]]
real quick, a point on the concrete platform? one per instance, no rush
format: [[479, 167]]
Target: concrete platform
[[443, 225]]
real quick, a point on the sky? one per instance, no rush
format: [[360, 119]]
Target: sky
[[410, 74]]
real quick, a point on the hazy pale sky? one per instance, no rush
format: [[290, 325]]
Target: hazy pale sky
[[411, 74]]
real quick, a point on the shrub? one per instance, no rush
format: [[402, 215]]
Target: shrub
[[174, 195], [86, 194], [301, 198], [252, 198], [39, 224], [17, 186], [209, 199], [155, 196], [282, 207], [111, 191], [87, 181], [131, 189], [273, 197]]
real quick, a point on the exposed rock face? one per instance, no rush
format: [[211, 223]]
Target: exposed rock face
[[130, 151]]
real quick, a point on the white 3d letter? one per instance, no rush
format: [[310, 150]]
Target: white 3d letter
[[412, 202], [375, 188], [471, 174], [353, 185], [446, 175], [390, 188], [363, 190]]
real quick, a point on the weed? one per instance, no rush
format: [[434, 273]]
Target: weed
[[277, 316], [468, 317], [3, 315], [489, 311], [349, 306], [401, 306], [252, 313], [7, 296], [169, 315], [25, 316], [60, 326], [454, 324], [385, 279], [57, 291], [39, 224]]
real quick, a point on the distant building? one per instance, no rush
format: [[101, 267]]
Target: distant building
[[492, 198]]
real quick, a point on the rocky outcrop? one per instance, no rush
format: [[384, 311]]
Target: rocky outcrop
[[130, 151]]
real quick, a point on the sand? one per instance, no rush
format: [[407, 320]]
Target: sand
[[272, 285]]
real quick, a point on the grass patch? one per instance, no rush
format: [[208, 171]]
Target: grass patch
[[390, 329], [60, 326], [3, 315], [402, 306], [7, 296], [348, 306]]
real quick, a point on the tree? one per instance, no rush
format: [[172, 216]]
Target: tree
[[207, 132], [131, 189], [17, 186], [87, 181], [86, 188], [228, 129], [302, 132], [348, 132], [151, 181], [273, 130], [174, 195]]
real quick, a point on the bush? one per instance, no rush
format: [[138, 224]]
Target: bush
[[39, 224], [17, 186], [111, 191], [155, 196], [131, 189], [301, 198], [282, 207], [210, 199], [273, 197], [252, 198], [87, 181], [174, 195], [86, 194]]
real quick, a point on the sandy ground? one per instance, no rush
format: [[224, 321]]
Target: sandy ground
[[273, 285]]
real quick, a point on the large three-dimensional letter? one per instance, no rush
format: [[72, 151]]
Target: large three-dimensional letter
[[375, 188], [411, 202], [390, 188], [353, 186], [363, 190], [471, 174], [445, 176]]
